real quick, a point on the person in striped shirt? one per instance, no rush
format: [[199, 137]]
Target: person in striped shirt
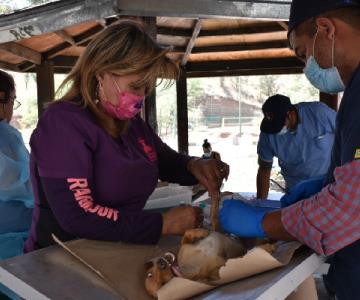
[[324, 34]]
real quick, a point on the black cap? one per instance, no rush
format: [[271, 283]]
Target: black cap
[[275, 110], [302, 10]]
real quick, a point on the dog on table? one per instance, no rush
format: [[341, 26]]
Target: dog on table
[[201, 255]]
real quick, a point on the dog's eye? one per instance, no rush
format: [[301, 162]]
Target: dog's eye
[[149, 274], [162, 264]]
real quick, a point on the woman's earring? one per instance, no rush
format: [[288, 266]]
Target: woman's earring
[[97, 93]]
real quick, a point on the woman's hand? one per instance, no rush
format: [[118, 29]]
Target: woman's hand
[[209, 172], [179, 219]]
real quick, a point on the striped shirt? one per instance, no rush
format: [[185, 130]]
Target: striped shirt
[[329, 220]]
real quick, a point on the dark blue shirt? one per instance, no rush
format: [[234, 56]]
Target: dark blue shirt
[[344, 265], [347, 135]]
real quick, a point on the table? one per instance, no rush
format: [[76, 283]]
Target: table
[[51, 273]]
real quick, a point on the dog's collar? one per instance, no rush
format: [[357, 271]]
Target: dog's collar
[[171, 260]]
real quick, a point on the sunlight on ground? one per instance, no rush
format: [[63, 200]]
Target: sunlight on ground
[[239, 152]]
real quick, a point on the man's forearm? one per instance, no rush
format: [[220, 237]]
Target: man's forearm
[[274, 228], [263, 183]]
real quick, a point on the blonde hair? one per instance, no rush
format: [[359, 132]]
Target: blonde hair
[[123, 48]]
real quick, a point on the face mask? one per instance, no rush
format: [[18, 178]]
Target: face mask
[[207, 154], [283, 131], [129, 105], [326, 80]]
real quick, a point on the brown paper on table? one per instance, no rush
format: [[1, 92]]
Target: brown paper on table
[[122, 266], [254, 262]]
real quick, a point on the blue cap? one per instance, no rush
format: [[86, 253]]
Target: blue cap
[[302, 10], [275, 110]]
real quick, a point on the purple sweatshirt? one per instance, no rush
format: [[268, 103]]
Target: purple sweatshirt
[[90, 185]]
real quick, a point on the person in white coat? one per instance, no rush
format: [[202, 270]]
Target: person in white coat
[[16, 197]]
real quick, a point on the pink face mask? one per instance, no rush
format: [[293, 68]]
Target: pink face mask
[[128, 105]]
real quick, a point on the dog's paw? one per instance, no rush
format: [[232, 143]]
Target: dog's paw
[[193, 235]]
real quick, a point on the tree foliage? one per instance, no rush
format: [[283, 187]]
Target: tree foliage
[[253, 90], [6, 6]]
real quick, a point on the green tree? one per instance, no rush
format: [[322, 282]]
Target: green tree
[[30, 116], [195, 90], [298, 88], [6, 6], [268, 86], [166, 109]]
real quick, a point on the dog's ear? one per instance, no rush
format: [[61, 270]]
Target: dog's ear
[[149, 264]]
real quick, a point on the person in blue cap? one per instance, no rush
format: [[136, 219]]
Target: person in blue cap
[[325, 35], [300, 136], [16, 198]]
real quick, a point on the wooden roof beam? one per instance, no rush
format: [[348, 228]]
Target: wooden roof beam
[[243, 55], [225, 40], [55, 50], [240, 39], [25, 66], [66, 37], [227, 31], [22, 51], [174, 31], [211, 66], [284, 25], [237, 47], [79, 40], [191, 43], [65, 61], [7, 66], [88, 35]]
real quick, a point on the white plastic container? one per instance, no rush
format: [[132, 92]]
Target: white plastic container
[[169, 196]]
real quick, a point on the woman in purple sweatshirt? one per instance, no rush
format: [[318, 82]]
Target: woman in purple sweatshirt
[[94, 162]]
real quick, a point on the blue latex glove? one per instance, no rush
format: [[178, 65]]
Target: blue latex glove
[[242, 219], [304, 189]]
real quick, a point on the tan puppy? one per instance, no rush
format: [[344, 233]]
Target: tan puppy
[[201, 255]]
